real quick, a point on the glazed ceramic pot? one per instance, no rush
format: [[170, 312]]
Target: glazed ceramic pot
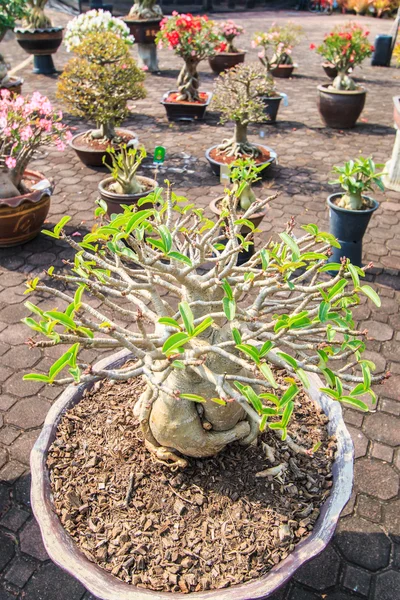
[[185, 111], [103, 585], [283, 71], [114, 201], [91, 157], [144, 31], [216, 166], [340, 109], [42, 43], [222, 61], [330, 70], [22, 217]]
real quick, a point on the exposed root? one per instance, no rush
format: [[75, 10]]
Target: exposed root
[[295, 447], [166, 457], [238, 149], [272, 471]]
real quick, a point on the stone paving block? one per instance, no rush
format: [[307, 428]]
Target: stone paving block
[[3, 457], [12, 471], [14, 518], [4, 498], [20, 450], [51, 582], [357, 581], [28, 413], [323, 570], [20, 571], [387, 586], [31, 541], [302, 594], [5, 594], [8, 434], [392, 517], [360, 441], [378, 331], [382, 452], [363, 543], [7, 546], [369, 508], [382, 428]]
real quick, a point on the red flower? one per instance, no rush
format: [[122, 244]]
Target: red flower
[[312, 46]]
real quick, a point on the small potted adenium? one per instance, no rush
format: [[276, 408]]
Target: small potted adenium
[[26, 123], [143, 21], [124, 187], [227, 55], [96, 85], [277, 45], [37, 36], [194, 39], [341, 102], [136, 471], [94, 21], [351, 209], [238, 95]]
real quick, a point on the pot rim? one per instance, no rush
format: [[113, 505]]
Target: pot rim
[[102, 584], [126, 19], [280, 96], [271, 160], [367, 211], [214, 208], [33, 197], [322, 88], [54, 29], [70, 142], [14, 81], [197, 104], [125, 197], [239, 52]]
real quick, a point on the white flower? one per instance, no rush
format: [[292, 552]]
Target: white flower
[[92, 22]]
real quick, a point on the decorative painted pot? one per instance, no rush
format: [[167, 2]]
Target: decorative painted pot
[[222, 61], [216, 166], [283, 71], [103, 585], [114, 201], [90, 156], [349, 227], [42, 43], [340, 109], [22, 217], [185, 111], [144, 31]]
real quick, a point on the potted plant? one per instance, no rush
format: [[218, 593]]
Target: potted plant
[[143, 21], [124, 187], [360, 7], [341, 102], [26, 123], [229, 361], [9, 82], [94, 21], [238, 95], [96, 85], [227, 55], [193, 38], [9, 12], [277, 45], [39, 37], [351, 209], [382, 7]]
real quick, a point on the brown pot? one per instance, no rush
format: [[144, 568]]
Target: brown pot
[[216, 166], [114, 201], [330, 70], [22, 217], [144, 31], [340, 109], [90, 156], [222, 61], [14, 86], [283, 71], [40, 42]]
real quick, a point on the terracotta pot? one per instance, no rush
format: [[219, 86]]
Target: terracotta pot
[[185, 111], [144, 31], [14, 86], [340, 109], [330, 70], [102, 584], [222, 61], [283, 71], [22, 217], [42, 43], [90, 156], [114, 201], [216, 166], [271, 107]]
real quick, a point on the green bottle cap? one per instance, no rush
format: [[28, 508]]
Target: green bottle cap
[[159, 154]]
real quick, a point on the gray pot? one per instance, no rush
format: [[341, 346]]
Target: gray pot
[[114, 201], [105, 586]]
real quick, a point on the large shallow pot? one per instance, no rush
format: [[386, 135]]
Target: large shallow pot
[[22, 217], [90, 156], [283, 71], [340, 109], [185, 111], [216, 166], [222, 61], [114, 201], [63, 551], [348, 226], [271, 107], [42, 43], [144, 31]]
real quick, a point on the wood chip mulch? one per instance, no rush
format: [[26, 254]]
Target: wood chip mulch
[[211, 526]]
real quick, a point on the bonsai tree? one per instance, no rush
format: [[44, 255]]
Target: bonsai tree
[[26, 124], [94, 21], [36, 17], [356, 178], [10, 11], [123, 168], [243, 174], [97, 84], [238, 96], [193, 39], [229, 31], [345, 49], [146, 9], [276, 45], [209, 363]]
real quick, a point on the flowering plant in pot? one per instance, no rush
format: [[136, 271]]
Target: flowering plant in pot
[[124, 187], [96, 85], [227, 55], [193, 38], [143, 21], [236, 358], [238, 95], [341, 102], [9, 82], [94, 21], [37, 36], [26, 123], [277, 45], [350, 212]]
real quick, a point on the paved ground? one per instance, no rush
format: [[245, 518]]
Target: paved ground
[[364, 559]]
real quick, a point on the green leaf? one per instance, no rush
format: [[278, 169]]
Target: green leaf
[[36, 377], [169, 322], [330, 267], [366, 375], [290, 393], [287, 413], [236, 336], [266, 371], [354, 402], [193, 397], [271, 397], [178, 364], [137, 219], [288, 359], [354, 275], [227, 289], [289, 241], [33, 308], [61, 363], [175, 341], [250, 351], [263, 422], [187, 316], [337, 288], [301, 374], [265, 348], [61, 318], [323, 311], [331, 393], [219, 401], [253, 399], [203, 326], [166, 237], [264, 254], [157, 244], [180, 257], [229, 308], [371, 294]]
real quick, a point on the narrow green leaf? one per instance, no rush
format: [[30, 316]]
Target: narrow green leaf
[[250, 351], [170, 322], [290, 393], [371, 294], [288, 359], [193, 397], [323, 311], [337, 288], [265, 348], [36, 377], [354, 402], [287, 413], [61, 318], [229, 308], [180, 257], [289, 241], [266, 371], [202, 326], [236, 336], [175, 341], [219, 401], [187, 316], [301, 374]]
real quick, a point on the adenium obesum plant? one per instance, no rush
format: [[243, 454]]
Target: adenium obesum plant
[[345, 48], [97, 84], [145, 9], [123, 168], [238, 96], [243, 174], [10, 11], [357, 177], [209, 360], [229, 31], [277, 44], [94, 21], [36, 17], [26, 123], [193, 39]]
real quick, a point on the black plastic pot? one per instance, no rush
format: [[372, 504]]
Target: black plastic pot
[[348, 226], [222, 61], [115, 201], [271, 107], [340, 109], [42, 43], [216, 166], [185, 111]]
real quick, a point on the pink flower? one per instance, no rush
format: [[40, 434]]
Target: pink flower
[[145, 68], [26, 133], [11, 162], [5, 93], [60, 145]]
